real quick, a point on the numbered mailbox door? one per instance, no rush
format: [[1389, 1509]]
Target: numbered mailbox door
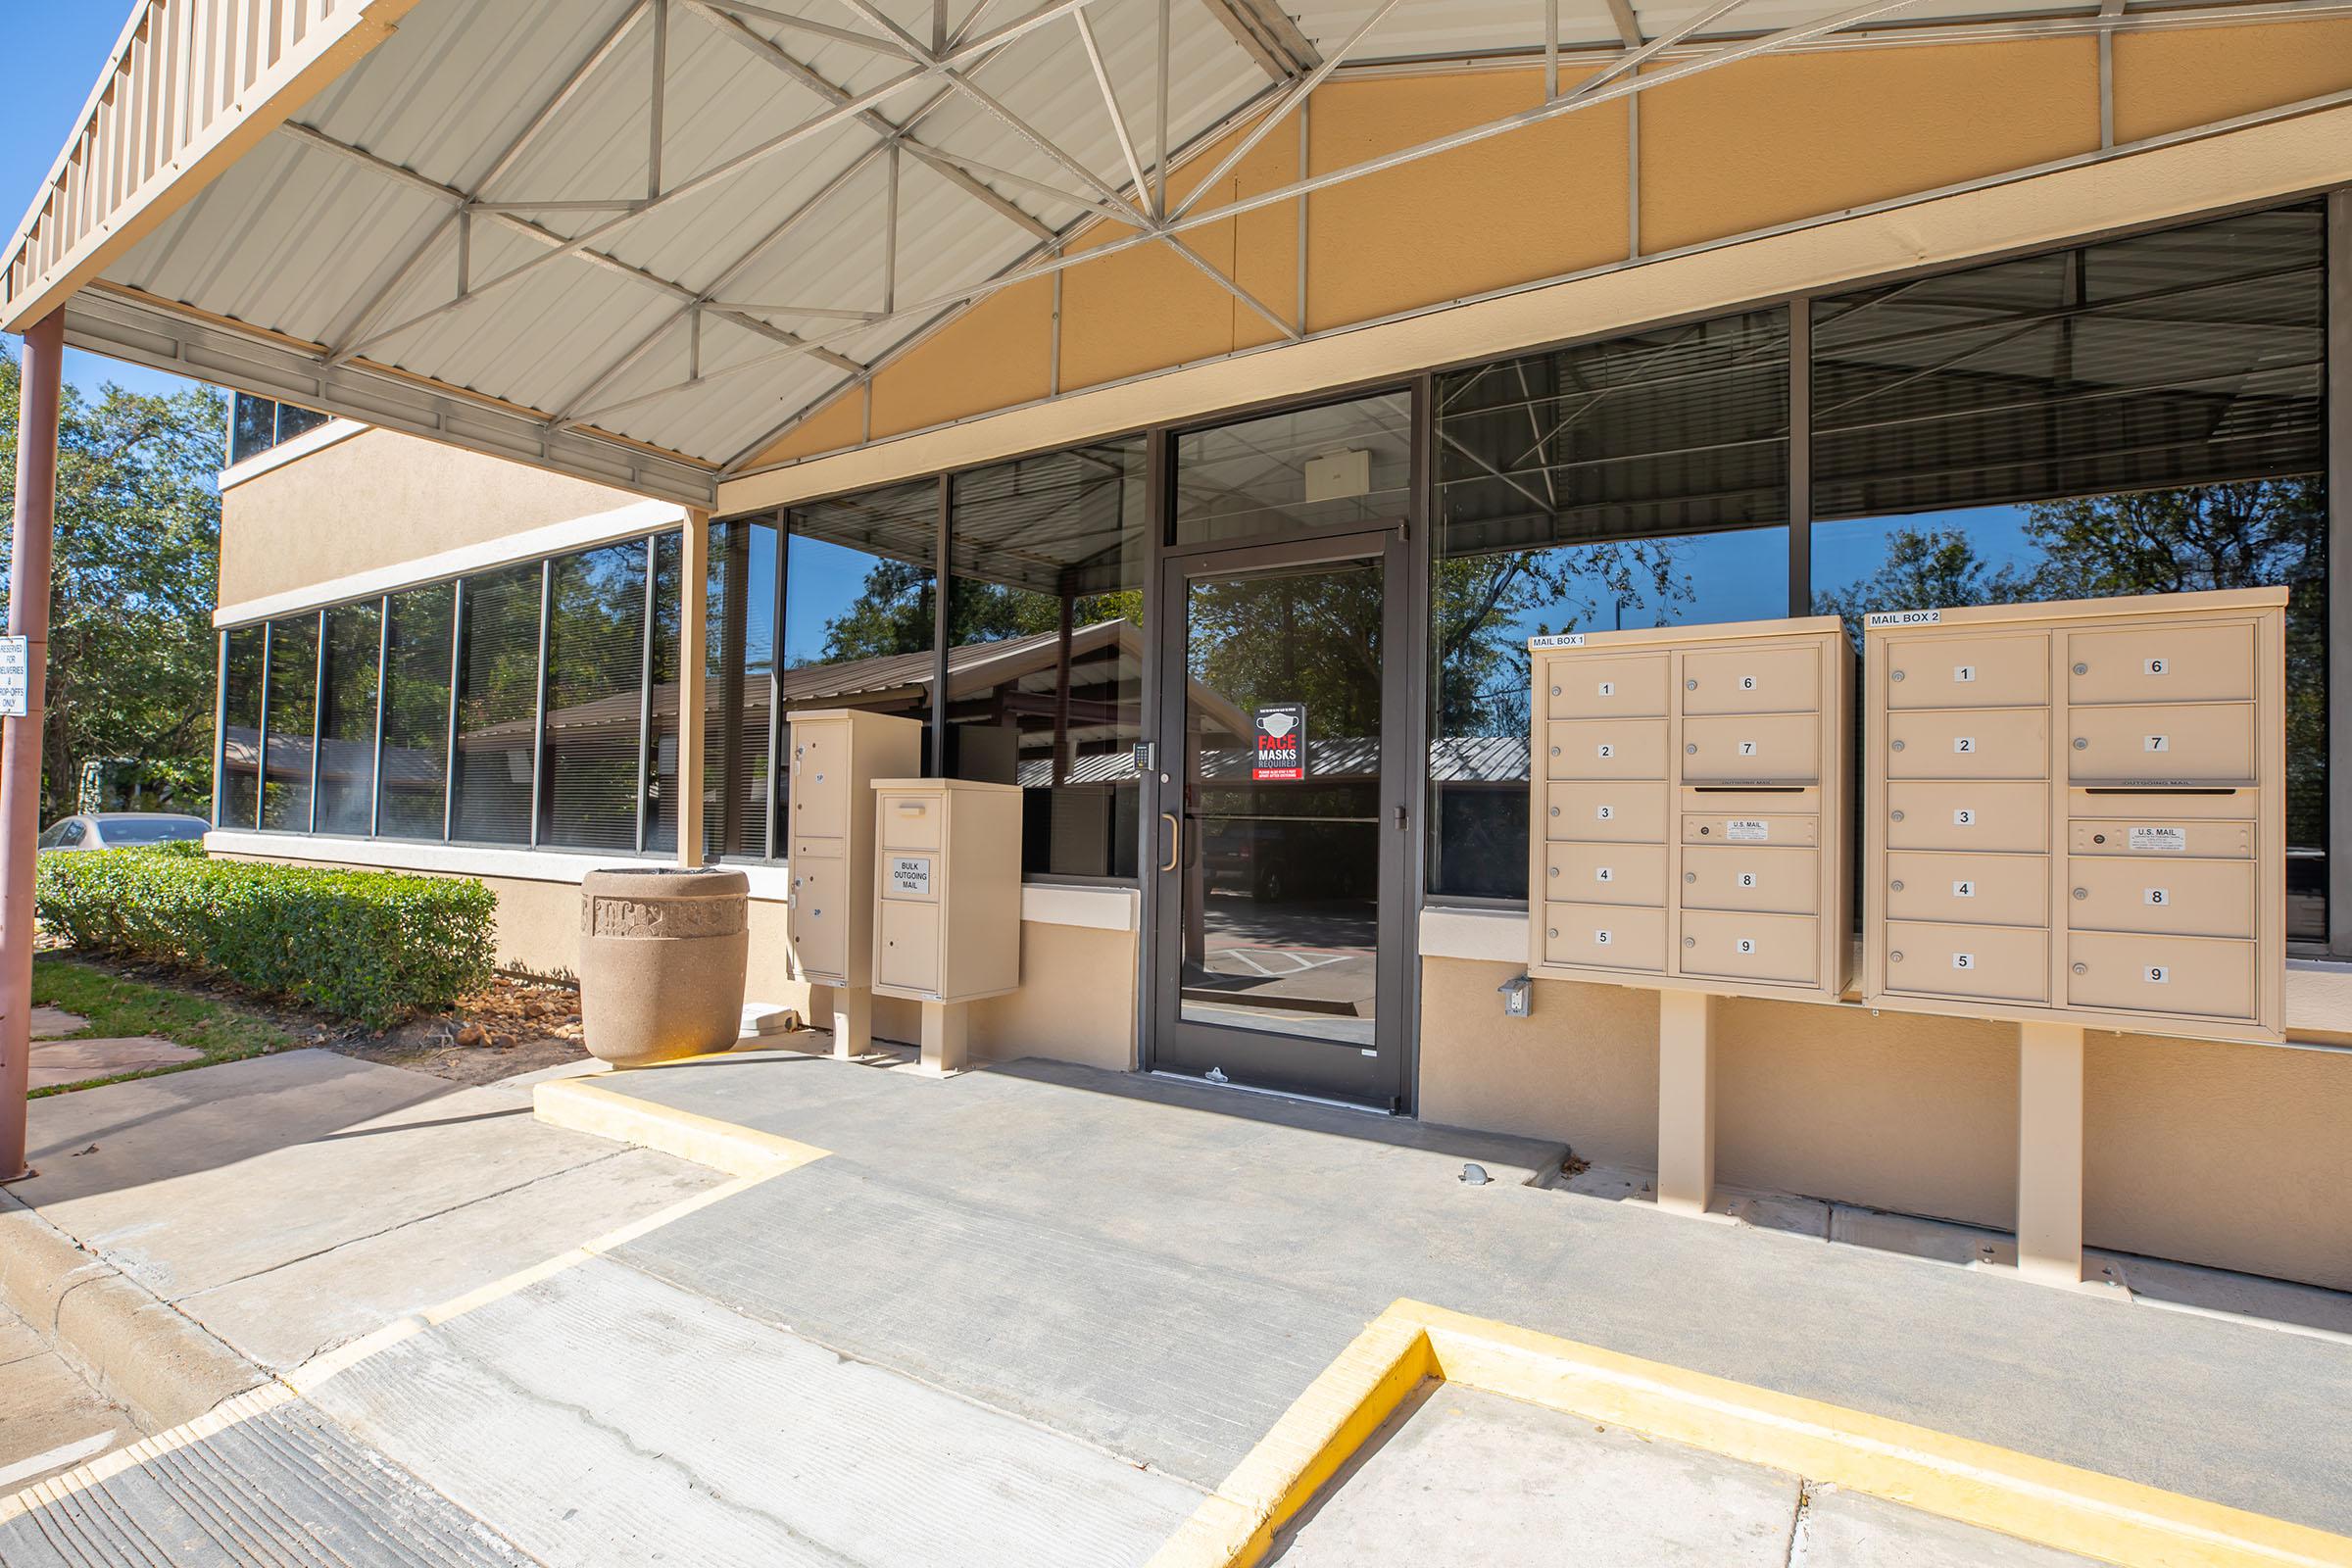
[[2001, 818], [2011, 671], [2198, 743], [1991, 963], [1616, 813], [1604, 936], [1765, 748], [2161, 664], [1606, 748], [1782, 949], [1753, 680], [1606, 873], [1739, 876], [821, 780], [1606, 688], [820, 914], [2187, 975], [1986, 889], [1996, 743], [2164, 895]]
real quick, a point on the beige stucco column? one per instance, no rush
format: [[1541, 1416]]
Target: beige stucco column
[[2049, 1152], [1685, 1101], [693, 677]]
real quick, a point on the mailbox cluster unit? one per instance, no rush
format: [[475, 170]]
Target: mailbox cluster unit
[[946, 889], [2075, 812], [1690, 805], [836, 753]]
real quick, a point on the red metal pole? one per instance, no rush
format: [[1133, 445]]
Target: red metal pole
[[21, 748]]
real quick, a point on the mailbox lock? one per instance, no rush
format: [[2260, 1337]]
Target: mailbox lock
[[1898, 746], [1555, 751], [1555, 930], [1896, 955], [2098, 838], [1689, 876], [1704, 831], [1691, 749], [1690, 685], [2082, 743], [1898, 885], [2082, 893], [1899, 674], [1555, 691], [1555, 810], [2082, 968], [1555, 871], [1689, 942], [1898, 817], [2081, 669]]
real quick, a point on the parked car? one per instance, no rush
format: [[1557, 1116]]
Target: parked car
[[117, 830]]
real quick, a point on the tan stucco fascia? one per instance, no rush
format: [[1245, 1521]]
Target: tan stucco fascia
[[2272, 160]]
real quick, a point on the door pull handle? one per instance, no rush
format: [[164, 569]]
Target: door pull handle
[[1175, 840]]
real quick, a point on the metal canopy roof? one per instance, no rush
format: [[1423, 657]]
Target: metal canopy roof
[[634, 239]]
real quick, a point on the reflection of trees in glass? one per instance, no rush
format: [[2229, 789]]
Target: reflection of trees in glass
[[1311, 638], [2252, 534], [1488, 605], [892, 613]]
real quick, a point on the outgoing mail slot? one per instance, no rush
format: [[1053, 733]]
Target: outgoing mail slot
[[2000, 672], [2168, 895], [2163, 840], [1752, 680], [908, 822], [906, 950], [2161, 974], [1999, 818], [1771, 748], [1742, 877], [1606, 873], [1606, 748], [2209, 663], [2192, 744], [1584, 687], [1612, 813], [2006, 743], [1604, 936], [1992, 963], [1789, 832], [821, 910], [1969, 889], [1783, 947]]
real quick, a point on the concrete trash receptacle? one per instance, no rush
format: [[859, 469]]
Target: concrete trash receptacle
[[662, 953]]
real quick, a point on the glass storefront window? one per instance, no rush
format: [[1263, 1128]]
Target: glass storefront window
[[740, 691], [347, 718], [1046, 658], [1325, 467], [2140, 416], [292, 707], [594, 684], [416, 750], [241, 727], [498, 690], [860, 591], [1637, 482]]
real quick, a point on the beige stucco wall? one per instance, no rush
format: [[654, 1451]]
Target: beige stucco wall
[[2223, 1155], [378, 500], [1727, 152]]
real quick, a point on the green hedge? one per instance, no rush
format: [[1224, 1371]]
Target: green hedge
[[370, 946]]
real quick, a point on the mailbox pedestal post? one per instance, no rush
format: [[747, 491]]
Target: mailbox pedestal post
[[947, 1026], [1685, 1101], [2049, 1152]]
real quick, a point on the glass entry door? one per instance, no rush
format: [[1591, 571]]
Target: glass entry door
[[1278, 941]]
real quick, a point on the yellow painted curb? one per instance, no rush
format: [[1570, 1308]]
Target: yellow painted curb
[[1994, 1489], [587, 1107]]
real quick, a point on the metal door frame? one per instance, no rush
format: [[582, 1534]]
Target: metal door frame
[[1386, 1083]]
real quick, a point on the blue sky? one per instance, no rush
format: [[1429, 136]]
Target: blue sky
[[56, 49]]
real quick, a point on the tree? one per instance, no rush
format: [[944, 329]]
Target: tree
[[138, 536]]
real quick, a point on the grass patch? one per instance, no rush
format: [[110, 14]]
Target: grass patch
[[119, 1006]]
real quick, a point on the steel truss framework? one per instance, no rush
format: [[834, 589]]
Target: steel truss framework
[[341, 377]]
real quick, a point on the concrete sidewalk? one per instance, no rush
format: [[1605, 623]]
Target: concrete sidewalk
[[1029, 1315]]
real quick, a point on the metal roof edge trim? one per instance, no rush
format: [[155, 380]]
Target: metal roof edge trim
[[174, 341], [323, 56], [1526, 317]]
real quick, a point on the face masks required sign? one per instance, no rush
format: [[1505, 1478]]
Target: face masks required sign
[[1281, 754]]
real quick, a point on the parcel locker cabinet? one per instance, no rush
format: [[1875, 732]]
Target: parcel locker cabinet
[[832, 756], [946, 889], [2075, 812], [1689, 810]]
